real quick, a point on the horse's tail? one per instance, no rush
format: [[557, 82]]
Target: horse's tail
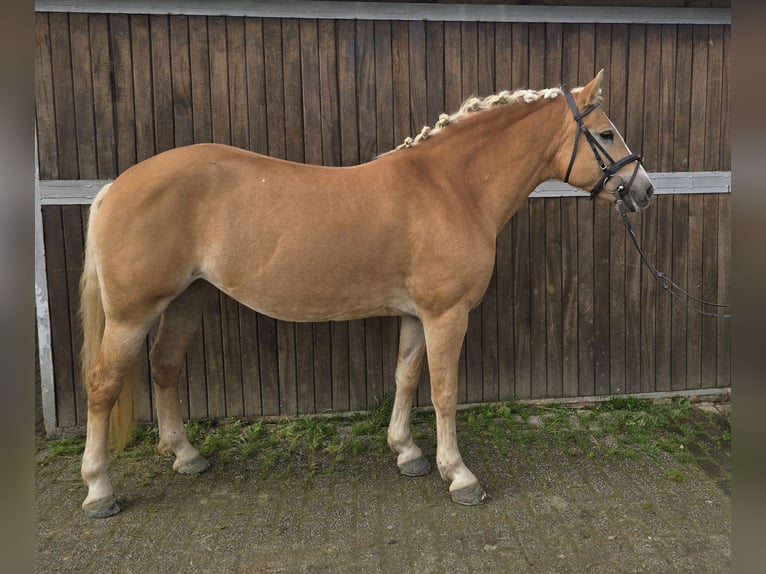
[[122, 420]]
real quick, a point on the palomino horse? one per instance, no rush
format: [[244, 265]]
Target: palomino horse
[[411, 233]]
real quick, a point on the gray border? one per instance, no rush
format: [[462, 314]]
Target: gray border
[[398, 11]]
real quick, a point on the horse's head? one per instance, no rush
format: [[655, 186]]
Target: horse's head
[[594, 156]]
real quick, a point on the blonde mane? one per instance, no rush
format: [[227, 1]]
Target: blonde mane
[[474, 104]]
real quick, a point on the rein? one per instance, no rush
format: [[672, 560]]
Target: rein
[[666, 282], [620, 192]]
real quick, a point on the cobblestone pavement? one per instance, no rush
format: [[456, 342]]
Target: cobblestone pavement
[[549, 511]]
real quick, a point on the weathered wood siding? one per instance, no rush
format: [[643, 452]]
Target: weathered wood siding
[[570, 311]]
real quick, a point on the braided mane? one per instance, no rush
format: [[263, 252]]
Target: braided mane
[[474, 104]]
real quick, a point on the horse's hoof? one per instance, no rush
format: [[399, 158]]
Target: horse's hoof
[[197, 465], [473, 495], [103, 508], [416, 467]]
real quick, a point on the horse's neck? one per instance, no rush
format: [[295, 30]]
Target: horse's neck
[[516, 158], [502, 155]]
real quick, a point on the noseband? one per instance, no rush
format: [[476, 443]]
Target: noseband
[[608, 171]]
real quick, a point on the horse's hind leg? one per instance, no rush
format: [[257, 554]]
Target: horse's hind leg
[[412, 347], [178, 325], [117, 353]]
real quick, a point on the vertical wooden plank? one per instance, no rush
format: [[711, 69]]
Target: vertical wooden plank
[[683, 76], [453, 97], [538, 297], [434, 71], [711, 231], [295, 344], [63, 96], [505, 246], [617, 90], [569, 297], [199, 59], [634, 131], [697, 137], [237, 73], [201, 131], [652, 125], [570, 55], [239, 324], [258, 332], [58, 301], [400, 70], [585, 297], [678, 359], [159, 29], [473, 341], [602, 220], [328, 85], [368, 148], [384, 107], [586, 64], [312, 153], [552, 289], [142, 85], [520, 231], [328, 77], [553, 286], [180, 72], [489, 306], [312, 128], [82, 86], [714, 99], [536, 60], [723, 335], [503, 57], [256, 86], [710, 271], [553, 54], [485, 34], [45, 114], [418, 99], [664, 343], [103, 111], [683, 95], [649, 218], [122, 70], [219, 80], [586, 61], [726, 104], [72, 226], [348, 374]]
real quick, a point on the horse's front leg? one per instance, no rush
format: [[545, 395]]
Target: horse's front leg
[[444, 338], [412, 346]]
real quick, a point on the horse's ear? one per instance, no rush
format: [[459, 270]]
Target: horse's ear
[[592, 91]]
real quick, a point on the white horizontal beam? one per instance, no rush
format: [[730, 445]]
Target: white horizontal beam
[[82, 192], [397, 11]]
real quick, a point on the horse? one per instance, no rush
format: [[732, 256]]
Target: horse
[[411, 233]]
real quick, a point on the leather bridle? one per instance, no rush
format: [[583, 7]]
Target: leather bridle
[[600, 153]]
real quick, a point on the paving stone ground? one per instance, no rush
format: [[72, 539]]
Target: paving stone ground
[[548, 512]]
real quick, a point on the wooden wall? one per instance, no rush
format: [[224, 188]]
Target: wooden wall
[[570, 312]]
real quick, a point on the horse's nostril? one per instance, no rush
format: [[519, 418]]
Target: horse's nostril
[[649, 191]]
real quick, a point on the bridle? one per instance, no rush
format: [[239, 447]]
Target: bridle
[[608, 171], [620, 192]]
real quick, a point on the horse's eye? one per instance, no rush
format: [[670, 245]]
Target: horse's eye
[[607, 135]]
